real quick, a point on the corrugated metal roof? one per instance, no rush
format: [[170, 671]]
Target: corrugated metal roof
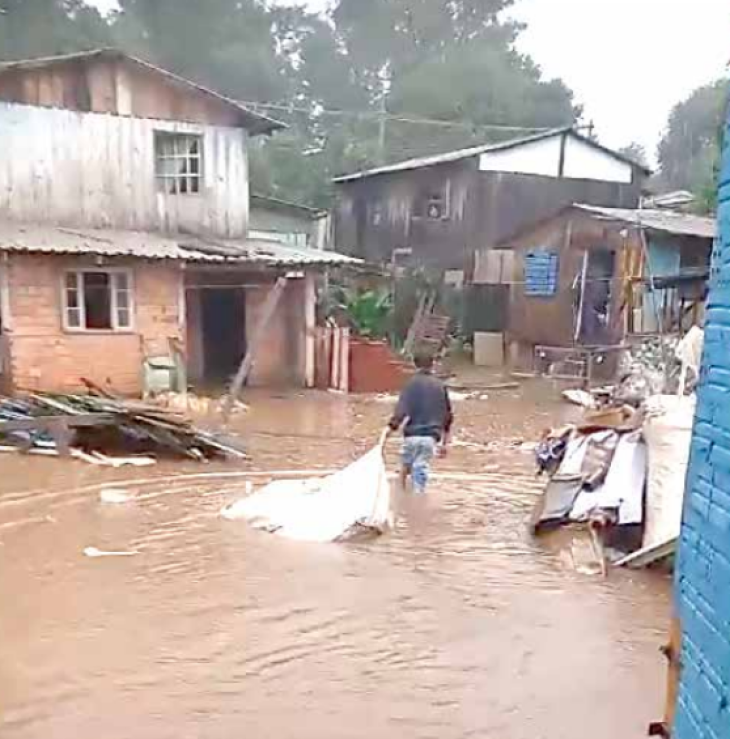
[[666, 221], [459, 154], [266, 202], [254, 122], [38, 239]]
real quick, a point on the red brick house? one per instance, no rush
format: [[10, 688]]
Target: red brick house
[[124, 208]]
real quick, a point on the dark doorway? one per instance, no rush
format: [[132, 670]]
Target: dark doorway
[[596, 326], [223, 314]]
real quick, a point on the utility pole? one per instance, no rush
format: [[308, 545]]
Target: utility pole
[[384, 76], [382, 127]]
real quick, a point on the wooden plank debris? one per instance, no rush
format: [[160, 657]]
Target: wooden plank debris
[[103, 426]]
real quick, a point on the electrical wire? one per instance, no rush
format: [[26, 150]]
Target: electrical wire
[[378, 115]]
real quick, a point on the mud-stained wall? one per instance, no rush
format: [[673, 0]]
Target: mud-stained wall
[[45, 356], [280, 356]]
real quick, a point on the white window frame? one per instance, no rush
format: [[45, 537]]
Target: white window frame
[[170, 184], [113, 272]]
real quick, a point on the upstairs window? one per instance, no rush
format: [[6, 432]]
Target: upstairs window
[[97, 300], [433, 204], [179, 163]]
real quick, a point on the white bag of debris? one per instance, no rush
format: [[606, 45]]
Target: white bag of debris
[[668, 434], [352, 501]]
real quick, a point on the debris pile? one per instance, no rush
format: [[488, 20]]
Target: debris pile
[[93, 427], [621, 470]]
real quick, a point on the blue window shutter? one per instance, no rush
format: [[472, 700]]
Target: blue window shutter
[[541, 274]]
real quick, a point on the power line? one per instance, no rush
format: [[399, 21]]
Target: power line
[[379, 115]]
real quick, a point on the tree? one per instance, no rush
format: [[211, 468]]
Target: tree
[[349, 84], [636, 152], [394, 62], [689, 152], [227, 45], [30, 28]]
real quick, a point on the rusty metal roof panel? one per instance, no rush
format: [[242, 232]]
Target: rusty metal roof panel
[[40, 239], [666, 221]]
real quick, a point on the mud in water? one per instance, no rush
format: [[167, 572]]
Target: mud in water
[[457, 625]]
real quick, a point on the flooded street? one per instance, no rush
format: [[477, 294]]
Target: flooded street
[[456, 625]]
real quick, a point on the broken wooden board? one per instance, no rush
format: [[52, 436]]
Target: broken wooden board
[[649, 555]]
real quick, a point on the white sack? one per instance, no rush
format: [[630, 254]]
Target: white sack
[[324, 509], [668, 434]]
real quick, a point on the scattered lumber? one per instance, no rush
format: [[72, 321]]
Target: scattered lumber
[[105, 425]]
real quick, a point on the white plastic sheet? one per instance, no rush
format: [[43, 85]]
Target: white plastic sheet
[[623, 488], [668, 434], [324, 509]]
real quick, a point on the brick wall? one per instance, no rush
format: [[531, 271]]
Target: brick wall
[[280, 357], [44, 356], [703, 574]]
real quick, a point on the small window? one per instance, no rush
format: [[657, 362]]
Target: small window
[[433, 204], [97, 301], [541, 274], [179, 162]]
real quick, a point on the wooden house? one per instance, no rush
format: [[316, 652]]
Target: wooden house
[[289, 223], [124, 223], [440, 210], [591, 276]]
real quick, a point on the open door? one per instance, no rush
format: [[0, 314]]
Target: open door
[[223, 324]]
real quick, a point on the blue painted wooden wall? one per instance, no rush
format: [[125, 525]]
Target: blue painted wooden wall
[[703, 573]]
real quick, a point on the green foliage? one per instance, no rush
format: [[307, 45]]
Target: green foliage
[[30, 28], [368, 312], [689, 152], [636, 152]]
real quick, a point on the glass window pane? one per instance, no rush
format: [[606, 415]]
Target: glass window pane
[[122, 281], [97, 300], [124, 318], [73, 317]]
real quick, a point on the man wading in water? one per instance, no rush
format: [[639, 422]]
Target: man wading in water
[[425, 409]]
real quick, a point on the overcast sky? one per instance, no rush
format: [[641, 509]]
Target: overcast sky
[[628, 61]]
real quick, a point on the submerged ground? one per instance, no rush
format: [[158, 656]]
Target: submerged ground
[[456, 625]]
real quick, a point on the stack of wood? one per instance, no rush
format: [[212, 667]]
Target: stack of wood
[[96, 424]]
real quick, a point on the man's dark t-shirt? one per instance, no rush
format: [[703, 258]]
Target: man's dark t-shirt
[[425, 402]]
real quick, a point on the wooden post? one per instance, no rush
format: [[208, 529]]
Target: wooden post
[[272, 301], [673, 654], [581, 304], [344, 360], [310, 328]]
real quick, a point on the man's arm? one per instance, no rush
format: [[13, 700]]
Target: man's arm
[[401, 412], [448, 421]]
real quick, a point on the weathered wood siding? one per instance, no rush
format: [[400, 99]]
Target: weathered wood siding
[[550, 321], [98, 170], [119, 87], [485, 208], [376, 216], [508, 204], [43, 356]]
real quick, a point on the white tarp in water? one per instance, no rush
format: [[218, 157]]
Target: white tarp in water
[[325, 509]]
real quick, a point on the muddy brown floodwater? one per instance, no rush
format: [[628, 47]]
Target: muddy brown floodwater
[[456, 625]]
